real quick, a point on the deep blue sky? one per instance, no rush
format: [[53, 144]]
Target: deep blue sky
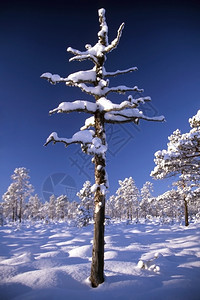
[[161, 38]]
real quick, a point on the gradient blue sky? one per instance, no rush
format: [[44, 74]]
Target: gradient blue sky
[[161, 38]]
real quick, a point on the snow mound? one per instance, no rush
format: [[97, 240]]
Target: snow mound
[[82, 251], [149, 264]]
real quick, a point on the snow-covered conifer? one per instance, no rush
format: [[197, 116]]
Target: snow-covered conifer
[[195, 203], [169, 206], [18, 192], [127, 199], [95, 82], [146, 195], [182, 158], [52, 207], [44, 210], [72, 210], [33, 208], [61, 207], [110, 207], [86, 206], [10, 203]]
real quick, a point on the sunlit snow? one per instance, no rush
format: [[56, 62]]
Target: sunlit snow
[[142, 261]]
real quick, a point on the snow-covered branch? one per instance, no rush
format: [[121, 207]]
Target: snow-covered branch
[[119, 72], [103, 33], [84, 57], [129, 115], [122, 89], [88, 76], [102, 90], [89, 143], [137, 101], [103, 104], [115, 42], [52, 78], [123, 116], [78, 105], [90, 90], [74, 51], [89, 122], [80, 137], [106, 105], [81, 55], [78, 79]]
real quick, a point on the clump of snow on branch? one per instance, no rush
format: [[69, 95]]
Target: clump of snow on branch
[[89, 143]]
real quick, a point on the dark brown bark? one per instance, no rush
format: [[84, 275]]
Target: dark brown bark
[[16, 209], [97, 267], [186, 213], [13, 214], [20, 209], [185, 206]]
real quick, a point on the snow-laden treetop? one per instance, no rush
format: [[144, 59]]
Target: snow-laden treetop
[[95, 82], [195, 120], [95, 76]]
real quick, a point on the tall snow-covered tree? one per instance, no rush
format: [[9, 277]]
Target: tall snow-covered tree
[[189, 143], [72, 209], [45, 212], [61, 207], [169, 206], [127, 199], [110, 207], [33, 208], [24, 188], [86, 207], [93, 141], [181, 158], [10, 203], [52, 207], [195, 202], [18, 192], [146, 195]]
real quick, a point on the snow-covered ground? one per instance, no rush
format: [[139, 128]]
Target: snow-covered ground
[[53, 262]]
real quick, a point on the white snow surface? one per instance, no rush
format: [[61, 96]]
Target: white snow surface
[[75, 106], [143, 261], [88, 75]]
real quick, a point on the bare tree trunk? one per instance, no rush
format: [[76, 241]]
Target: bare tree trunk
[[20, 209], [97, 267], [16, 209], [186, 213], [185, 206], [13, 214]]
